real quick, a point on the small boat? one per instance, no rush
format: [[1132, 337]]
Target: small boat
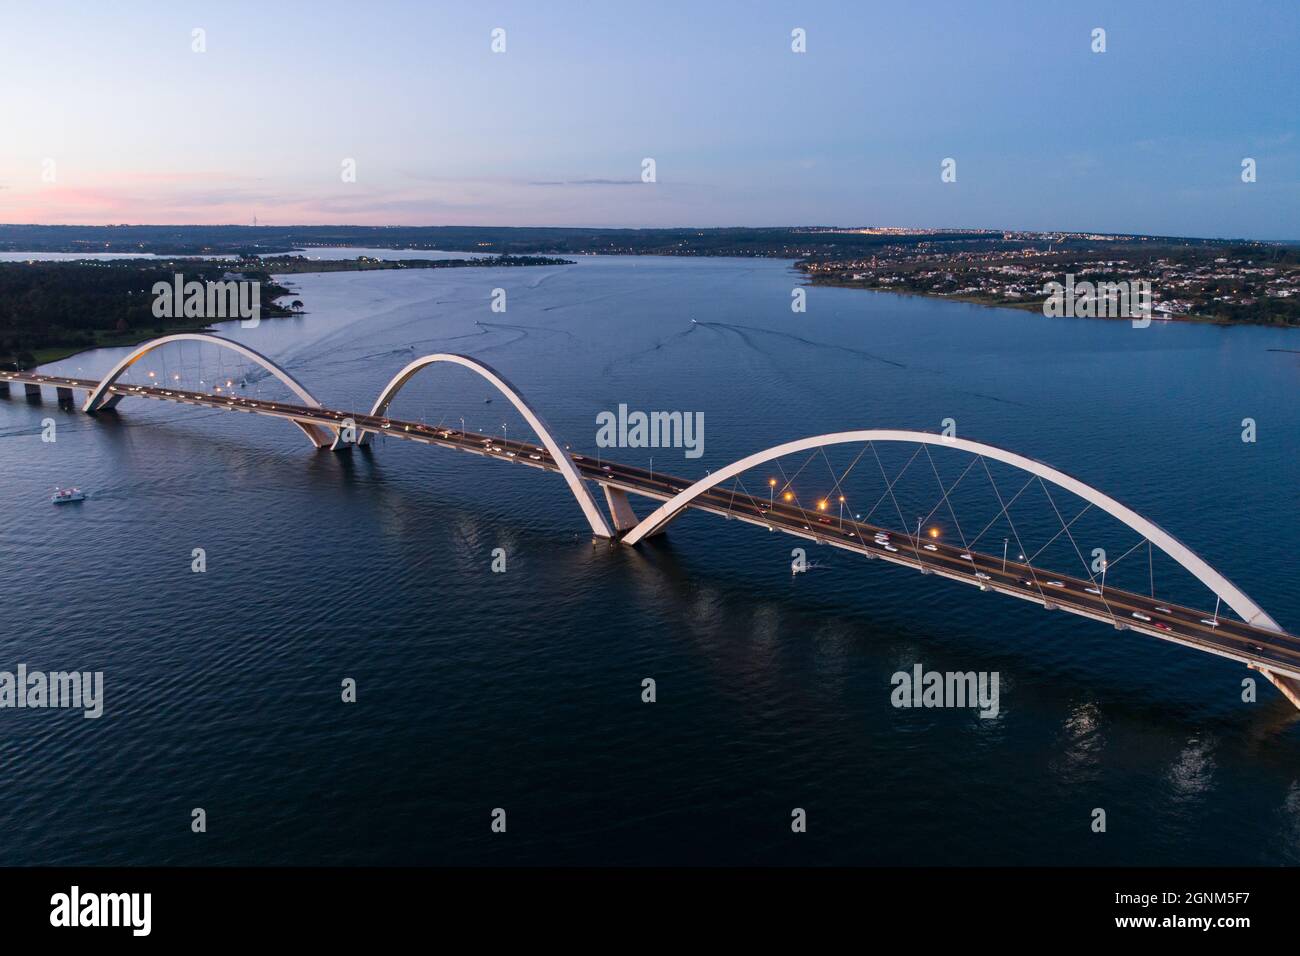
[[487, 401], [63, 496]]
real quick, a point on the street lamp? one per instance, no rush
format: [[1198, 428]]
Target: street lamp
[[462, 429], [1004, 554], [841, 512], [771, 493]]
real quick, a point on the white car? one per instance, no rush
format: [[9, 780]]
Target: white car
[[1056, 584], [1206, 620], [967, 557], [1163, 610], [982, 576], [890, 547], [930, 547], [535, 457], [1140, 616], [1092, 590]]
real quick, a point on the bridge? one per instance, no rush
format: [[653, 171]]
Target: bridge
[[1255, 640]]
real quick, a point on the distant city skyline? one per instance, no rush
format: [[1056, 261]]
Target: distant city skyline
[[130, 116]]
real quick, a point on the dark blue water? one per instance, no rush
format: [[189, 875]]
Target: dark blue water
[[522, 690]]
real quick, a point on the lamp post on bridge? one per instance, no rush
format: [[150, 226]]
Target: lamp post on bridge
[[462, 429], [771, 493], [1004, 555]]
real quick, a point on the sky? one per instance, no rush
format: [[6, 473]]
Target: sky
[[108, 114]]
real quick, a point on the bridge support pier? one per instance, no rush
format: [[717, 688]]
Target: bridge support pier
[[620, 509], [4, 389], [65, 396], [1289, 686], [337, 444], [33, 390]]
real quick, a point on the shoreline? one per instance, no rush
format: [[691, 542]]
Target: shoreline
[[297, 266], [1038, 307], [120, 340]]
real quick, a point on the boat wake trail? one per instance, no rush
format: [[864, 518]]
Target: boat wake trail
[[659, 346], [859, 353], [743, 333], [525, 328]]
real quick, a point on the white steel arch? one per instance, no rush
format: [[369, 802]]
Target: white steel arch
[[561, 457], [1233, 596], [102, 398]]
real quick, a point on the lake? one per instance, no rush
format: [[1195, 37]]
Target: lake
[[522, 690]]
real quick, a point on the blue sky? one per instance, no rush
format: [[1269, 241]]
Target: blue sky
[[132, 125]]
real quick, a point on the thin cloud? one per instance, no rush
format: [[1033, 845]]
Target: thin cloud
[[587, 182]]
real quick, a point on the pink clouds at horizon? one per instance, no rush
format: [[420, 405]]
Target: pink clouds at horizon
[[213, 198]]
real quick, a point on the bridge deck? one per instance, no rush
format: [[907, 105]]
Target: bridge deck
[[1260, 648]]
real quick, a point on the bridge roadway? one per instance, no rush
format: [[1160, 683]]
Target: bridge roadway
[[1258, 648]]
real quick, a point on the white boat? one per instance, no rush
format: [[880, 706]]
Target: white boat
[[63, 496]]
